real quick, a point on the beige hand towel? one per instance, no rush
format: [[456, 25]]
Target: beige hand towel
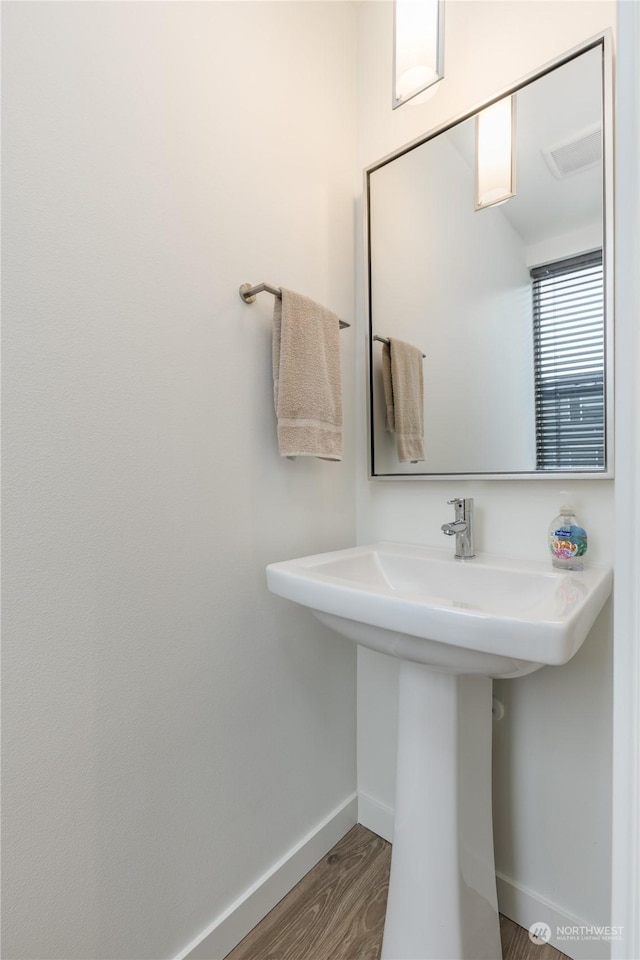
[[307, 379], [402, 379]]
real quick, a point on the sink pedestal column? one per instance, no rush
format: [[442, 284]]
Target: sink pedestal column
[[442, 893]]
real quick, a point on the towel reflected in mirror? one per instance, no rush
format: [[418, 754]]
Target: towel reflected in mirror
[[403, 382]]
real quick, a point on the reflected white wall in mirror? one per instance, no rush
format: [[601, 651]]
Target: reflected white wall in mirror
[[458, 283]]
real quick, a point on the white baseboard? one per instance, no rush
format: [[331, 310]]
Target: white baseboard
[[525, 908], [231, 926], [375, 816]]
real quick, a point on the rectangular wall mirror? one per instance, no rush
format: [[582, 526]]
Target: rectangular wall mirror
[[510, 302]]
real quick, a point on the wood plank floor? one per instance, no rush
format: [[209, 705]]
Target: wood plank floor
[[337, 911]]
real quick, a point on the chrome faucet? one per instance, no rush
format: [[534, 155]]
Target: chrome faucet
[[462, 527]]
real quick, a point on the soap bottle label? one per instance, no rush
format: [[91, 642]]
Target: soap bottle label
[[568, 542]]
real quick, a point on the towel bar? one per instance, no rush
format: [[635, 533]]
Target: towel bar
[[248, 294], [386, 340]]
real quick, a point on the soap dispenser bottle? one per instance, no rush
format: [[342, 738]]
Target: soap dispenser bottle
[[567, 540]]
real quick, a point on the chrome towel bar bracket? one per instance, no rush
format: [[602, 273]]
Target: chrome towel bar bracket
[[248, 294]]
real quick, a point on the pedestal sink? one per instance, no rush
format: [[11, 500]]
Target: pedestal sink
[[454, 626]]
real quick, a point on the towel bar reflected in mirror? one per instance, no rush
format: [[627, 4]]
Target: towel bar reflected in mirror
[[248, 294], [386, 340]]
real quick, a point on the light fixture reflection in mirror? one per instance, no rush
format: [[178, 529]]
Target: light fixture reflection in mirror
[[495, 153], [418, 50]]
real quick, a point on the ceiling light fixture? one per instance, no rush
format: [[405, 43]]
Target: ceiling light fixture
[[418, 50]]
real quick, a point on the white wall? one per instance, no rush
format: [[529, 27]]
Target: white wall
[[170, 728], [553, 748]]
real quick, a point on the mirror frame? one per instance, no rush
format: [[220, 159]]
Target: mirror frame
[[604, 39]]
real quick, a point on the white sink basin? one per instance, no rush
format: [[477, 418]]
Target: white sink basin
[[492, 616]]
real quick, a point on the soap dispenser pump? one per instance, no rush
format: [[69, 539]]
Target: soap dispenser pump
[[567, 540]]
